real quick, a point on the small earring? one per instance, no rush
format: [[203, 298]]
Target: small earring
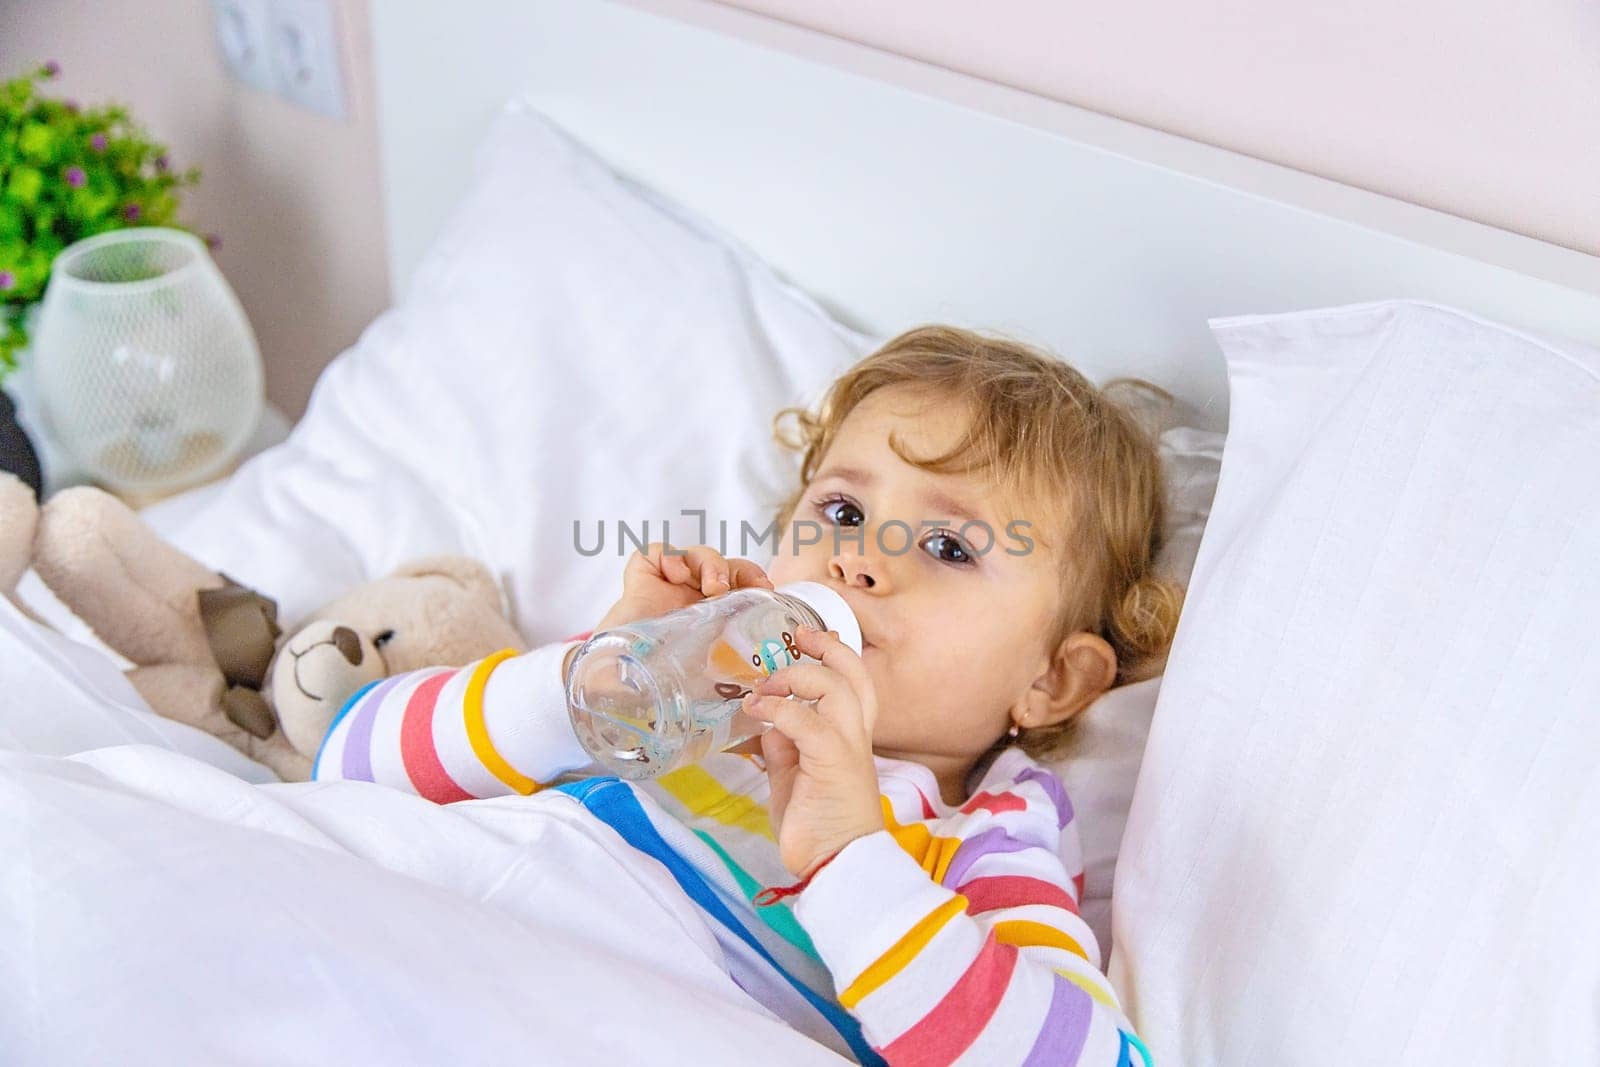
[[1013, 731]]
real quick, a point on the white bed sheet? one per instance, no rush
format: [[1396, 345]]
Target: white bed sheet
[[157, 908], [65, 696]]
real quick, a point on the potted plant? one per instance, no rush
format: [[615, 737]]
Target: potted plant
[[66, 173]]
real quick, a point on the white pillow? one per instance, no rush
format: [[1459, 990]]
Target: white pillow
[[1109, 737], [1364, 831], [571, 347]]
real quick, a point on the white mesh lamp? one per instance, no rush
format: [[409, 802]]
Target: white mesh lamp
[[148, 372]]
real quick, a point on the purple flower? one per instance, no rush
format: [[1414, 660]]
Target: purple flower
[[70, 105], [75, 177], [51, 69], [98, 142], [131, 212], [213, 241], [162, 163], [8, 281]]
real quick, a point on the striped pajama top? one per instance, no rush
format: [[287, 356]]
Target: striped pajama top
[[952, 935]]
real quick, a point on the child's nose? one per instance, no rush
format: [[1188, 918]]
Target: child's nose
[[854, 569]]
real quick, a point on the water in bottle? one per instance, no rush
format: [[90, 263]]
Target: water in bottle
[[661, 693]]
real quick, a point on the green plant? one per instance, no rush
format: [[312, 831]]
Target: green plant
[[67, 173]]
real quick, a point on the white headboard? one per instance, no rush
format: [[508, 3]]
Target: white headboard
[[898, 193]]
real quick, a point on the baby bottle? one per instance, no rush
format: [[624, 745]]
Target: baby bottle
[[658, 694]]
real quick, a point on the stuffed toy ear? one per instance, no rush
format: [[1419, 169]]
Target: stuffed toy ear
[[468, 573]]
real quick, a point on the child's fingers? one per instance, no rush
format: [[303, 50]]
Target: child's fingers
[[812, 733], [808, 681], [699, 567], [671, 567], [835, 698], [826, 647], [653, 562], [708, 568], [748, 575], [717, 574]]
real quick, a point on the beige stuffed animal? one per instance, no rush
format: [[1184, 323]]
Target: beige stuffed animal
[[208, 652]]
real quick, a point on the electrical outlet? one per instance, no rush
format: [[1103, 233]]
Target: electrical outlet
[[304, 50], [241, 27], [289, 48]]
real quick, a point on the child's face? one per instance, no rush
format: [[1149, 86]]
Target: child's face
[[952, 639]]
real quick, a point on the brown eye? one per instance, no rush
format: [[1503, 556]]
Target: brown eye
[[947, 548], [383, 638], [842, 512]]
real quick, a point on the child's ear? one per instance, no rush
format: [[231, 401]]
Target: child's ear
[[1083, 667]]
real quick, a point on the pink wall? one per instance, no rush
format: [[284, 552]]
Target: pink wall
[[294, 195], [1486, 110]]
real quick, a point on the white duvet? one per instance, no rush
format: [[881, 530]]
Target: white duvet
[[156, 908]]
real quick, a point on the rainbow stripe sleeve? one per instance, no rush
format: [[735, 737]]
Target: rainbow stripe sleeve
[[492, 728], [960, 941]]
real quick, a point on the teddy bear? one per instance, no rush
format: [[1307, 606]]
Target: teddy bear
[[209, 652]]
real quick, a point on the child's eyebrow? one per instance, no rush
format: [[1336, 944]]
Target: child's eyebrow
[[943, 504], [850, 474]]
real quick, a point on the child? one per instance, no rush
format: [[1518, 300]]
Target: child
[[937, 862]]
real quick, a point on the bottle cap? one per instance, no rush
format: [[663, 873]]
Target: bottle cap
[[836, 614]]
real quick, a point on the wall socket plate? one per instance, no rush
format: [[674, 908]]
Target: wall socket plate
[[289, 48], [241, 27]]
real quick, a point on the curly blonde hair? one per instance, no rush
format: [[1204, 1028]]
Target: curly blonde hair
[[1077, 453]]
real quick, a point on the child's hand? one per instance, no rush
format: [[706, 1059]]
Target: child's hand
[[819, 756], [654, 583]]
